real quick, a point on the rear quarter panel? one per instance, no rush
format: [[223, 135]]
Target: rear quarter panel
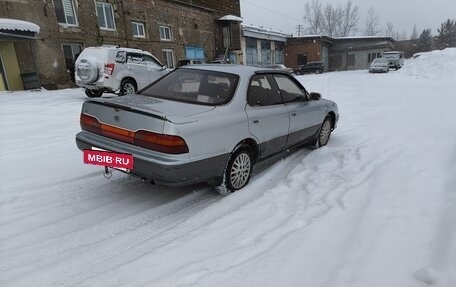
[[212, 133]]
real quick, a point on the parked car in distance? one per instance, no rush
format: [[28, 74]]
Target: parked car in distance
[[207, 123], [190, 62], [311, 67], [395, 59], [379, 65], [108, 69], [281, 67]]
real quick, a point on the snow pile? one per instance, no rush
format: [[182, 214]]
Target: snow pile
[[438, 64]]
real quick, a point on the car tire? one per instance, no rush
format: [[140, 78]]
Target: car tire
[[237, 172], [324, 133], [87, 71], [127, 87], [93, 93]]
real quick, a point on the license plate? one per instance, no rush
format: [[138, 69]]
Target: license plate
[[107, 158]]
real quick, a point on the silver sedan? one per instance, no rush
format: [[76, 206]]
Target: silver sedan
[[204, 123]]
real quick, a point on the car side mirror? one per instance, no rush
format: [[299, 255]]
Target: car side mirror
[[315, 96]]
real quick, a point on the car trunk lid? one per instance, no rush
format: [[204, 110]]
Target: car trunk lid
[[141, 113]]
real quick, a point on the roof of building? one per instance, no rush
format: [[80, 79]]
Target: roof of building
[[312, 37], [263, 33], [231, 18], [18, 25]]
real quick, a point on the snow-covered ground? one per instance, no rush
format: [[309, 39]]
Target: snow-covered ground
[[376, 207]]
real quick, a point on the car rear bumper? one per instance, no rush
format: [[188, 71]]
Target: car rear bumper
[[161, 171]]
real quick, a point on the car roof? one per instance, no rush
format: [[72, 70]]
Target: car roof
[[119, 48], [233, 69]]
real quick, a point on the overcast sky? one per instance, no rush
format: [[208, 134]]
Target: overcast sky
[[285, 15]]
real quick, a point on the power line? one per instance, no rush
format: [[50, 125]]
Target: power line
[[273, 11]]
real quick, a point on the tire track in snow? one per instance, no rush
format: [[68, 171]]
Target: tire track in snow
[[118, 235], [253, 193], [127, 247], [267, 236]]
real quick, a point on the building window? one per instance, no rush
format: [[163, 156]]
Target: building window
[[71, 52], [64, 10], [168, 57], [138, 29], [165, 33], [105, 16]]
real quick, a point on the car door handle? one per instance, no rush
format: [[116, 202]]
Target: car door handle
[[256, 121], [294, 114]]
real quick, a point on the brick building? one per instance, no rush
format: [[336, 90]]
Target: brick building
[[169, 29], [301, 50]]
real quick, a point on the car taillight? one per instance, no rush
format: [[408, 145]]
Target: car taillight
[[109, 68], [90, 124], [159, 142]]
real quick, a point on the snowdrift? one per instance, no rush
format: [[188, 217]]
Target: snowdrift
[[438, 64]]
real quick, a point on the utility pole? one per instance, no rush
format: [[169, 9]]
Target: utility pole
[[300, 30]]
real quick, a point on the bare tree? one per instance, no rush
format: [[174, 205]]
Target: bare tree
[[349, 20], [389, 31], [313, 17], [414, 35], [331, 19], [399, 36], [340, 21], [372, 21]]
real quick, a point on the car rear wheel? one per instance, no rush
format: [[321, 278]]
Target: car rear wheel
[[128, 87], [93, 93], [237, 172]]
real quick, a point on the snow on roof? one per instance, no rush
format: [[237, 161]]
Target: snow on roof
[[231, 18], [363, 37], [263, 30], [13, 24], [345, 38]]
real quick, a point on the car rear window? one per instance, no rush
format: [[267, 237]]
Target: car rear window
[[194, 86]]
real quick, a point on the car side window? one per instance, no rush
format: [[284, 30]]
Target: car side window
[[121, 56], [289, 90], [150, 61], [262, 91], [135, 58]]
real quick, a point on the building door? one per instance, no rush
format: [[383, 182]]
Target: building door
[[3, 82], [71, 51], [325, 56], [302, 59]]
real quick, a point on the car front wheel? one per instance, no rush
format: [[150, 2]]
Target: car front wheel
[[323, 134], [237, 172]]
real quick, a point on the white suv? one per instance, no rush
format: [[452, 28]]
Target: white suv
[[112, 69]]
